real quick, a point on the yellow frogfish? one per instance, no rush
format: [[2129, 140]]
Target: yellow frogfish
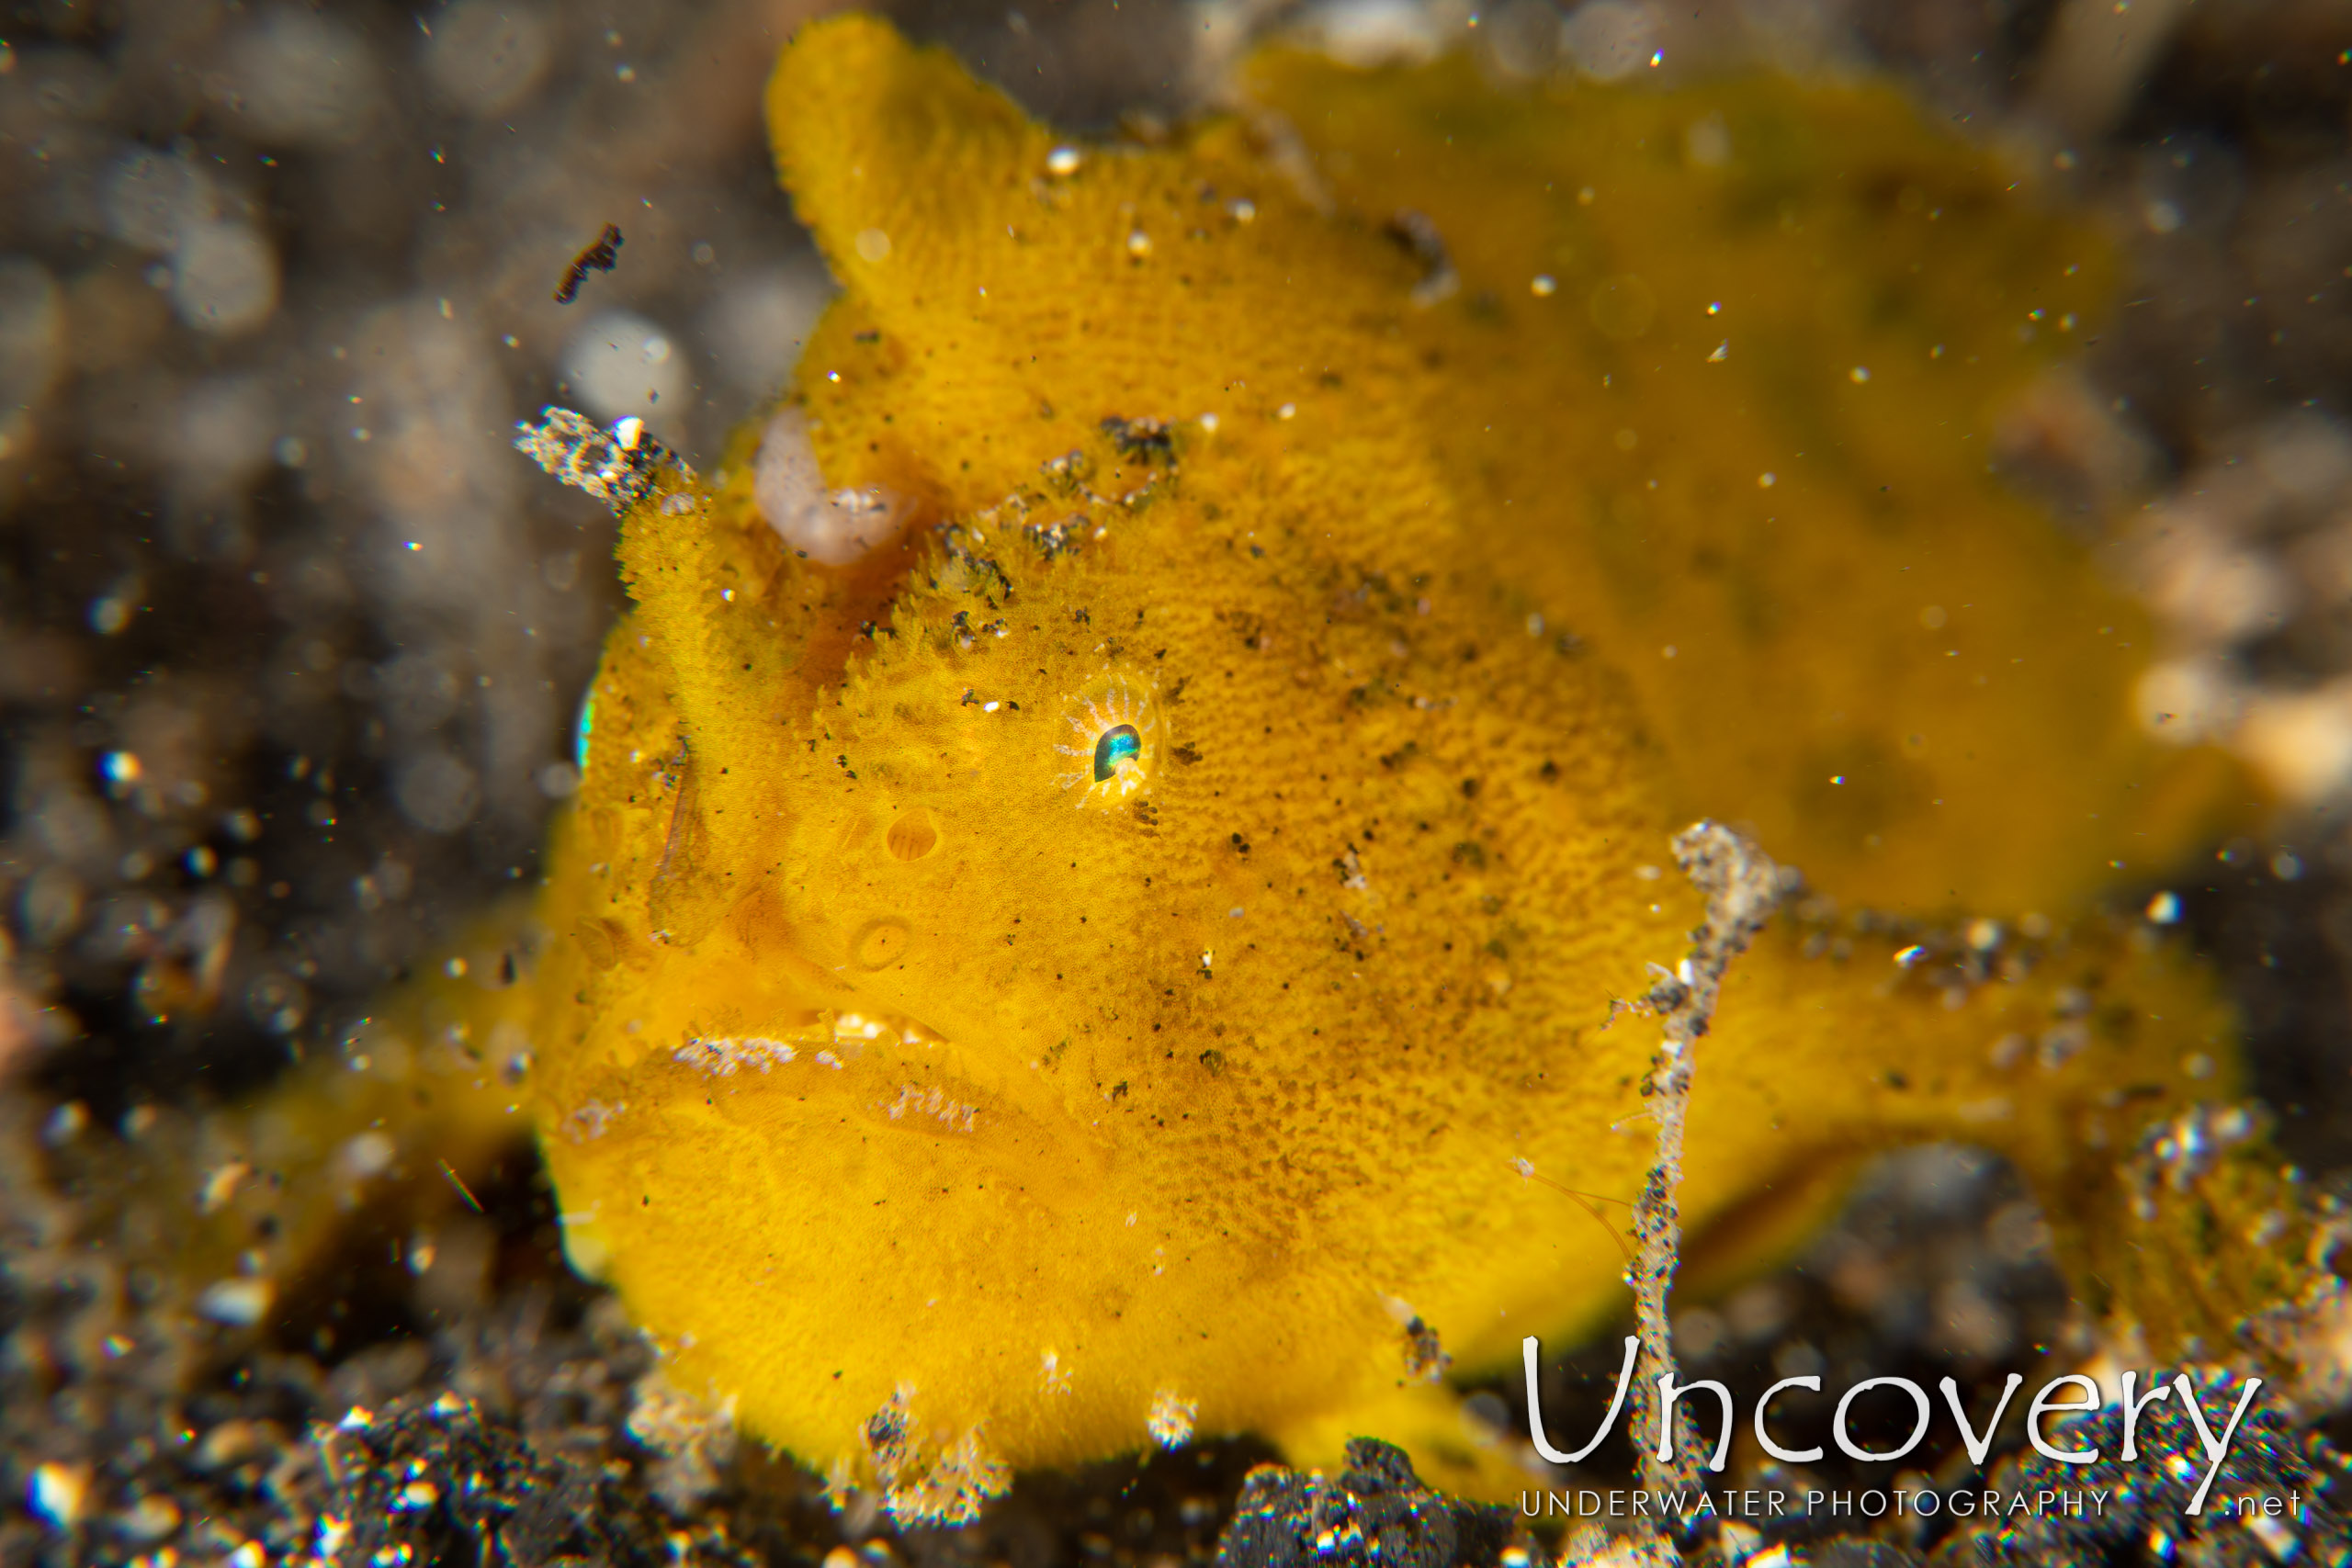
[[1131, 815]]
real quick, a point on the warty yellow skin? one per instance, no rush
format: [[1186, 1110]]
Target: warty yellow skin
[[947, 1106]]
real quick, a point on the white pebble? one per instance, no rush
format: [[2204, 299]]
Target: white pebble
[[620, 365], [486, 56], [226, 426], [2302, 741], [224, 278], [150, 198], [239, 1303], [57, 1492], [299, 79], [1609, 39], [2188, 700], [436, 791], [366, 1153], [2210, 585]]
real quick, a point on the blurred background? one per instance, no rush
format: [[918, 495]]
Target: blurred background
[[292, 643]]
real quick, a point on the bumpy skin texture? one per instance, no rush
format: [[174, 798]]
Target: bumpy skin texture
[[1886, 613], [894, 1065]]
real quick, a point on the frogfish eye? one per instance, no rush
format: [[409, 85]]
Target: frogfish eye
[[1110, 735], [1119, 744]]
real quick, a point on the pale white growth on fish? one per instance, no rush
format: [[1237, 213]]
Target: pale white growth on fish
[[589, 1119], [959, 1117], [835, 526], [722, 1057]]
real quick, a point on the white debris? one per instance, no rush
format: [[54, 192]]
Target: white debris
[[693, 1440], [1172, 1418], [923, 1488]]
